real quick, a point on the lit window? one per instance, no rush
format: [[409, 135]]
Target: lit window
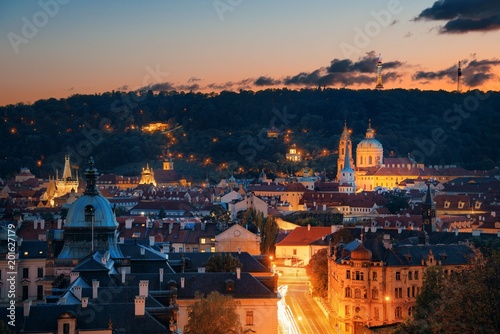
[[374, 276], [249, 318], [203, 241], [374, 294]]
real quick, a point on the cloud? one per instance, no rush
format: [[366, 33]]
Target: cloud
[[266, 81], [464, 16], [474, 73], [189, 88], [345, 72], [159, 86], [193, 79], [123, 88]]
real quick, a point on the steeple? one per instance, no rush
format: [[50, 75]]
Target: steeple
[[91, 178], [379, 73], [345, 145], [347, 162], [347, 183], [429, 212], [67, 169]]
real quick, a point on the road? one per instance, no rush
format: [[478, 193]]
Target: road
[[299, 312]]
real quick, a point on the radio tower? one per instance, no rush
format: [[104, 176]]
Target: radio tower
[[379, 73], [459, 74]]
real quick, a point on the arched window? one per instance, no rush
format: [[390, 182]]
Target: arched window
[[374, 294], [348, 292], [357, 293], [398, 312], [89, 214]]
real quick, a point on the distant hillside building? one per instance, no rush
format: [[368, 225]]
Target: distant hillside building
[[60, 187]]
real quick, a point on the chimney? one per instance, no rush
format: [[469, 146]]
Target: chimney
[[19, 242], [85, 302], [456, 231], [128, 223], [387, 241], [77, 290], [42, 224], [182, 281], [151, 240], [201, 269], [161, 275], [122, 240], [143, 251], [35, 224], [239, 250], [26, 307], [95, 287], [103, 260], [308, 227], [367, 228], [73, 276], [59, 224], [123, 275], [62, 301], [324, 207], [140, 305], [143, 288], [170, 227], [238, 272]]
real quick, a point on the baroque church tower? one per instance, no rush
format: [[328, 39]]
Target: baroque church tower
[[347, 181], [345, 148], [369, 152], [429, 212]]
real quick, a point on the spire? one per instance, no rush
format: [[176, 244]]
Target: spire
[[67, 169], [428, 197], [379, 73], [347, 161], [91, 176]]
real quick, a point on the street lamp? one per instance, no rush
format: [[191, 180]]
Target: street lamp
[[386, 309]]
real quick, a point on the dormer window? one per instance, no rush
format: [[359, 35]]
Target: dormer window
[[446, 204], [461, 205], [229, 285], [477, 205], [89, 214]]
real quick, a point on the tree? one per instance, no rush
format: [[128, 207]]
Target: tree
[[269, 236], [219, 214], [222, 263], [213, 314], [462, 302], [317, 270]]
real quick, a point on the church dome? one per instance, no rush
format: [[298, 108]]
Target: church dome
[[361, 254], [369, 143], [98, 205]]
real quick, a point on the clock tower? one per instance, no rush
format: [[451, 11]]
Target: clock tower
[[429, 212]]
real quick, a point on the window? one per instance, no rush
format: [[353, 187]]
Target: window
[[376, 313], [26, 273], [203, 241], [357, 293], [410, 276], [25, 292], [374, 294], [416, 275], [181, 249], [89, 214], [411, 311], [348, 274], [360, 276], [413, 290], [374, 276], [348, 292], [408, 292], [347, 310], [398, 276], [398, 312], [398, 293], [212, 249], [195, 249], [66, 328], [39, 272], [39, 292], [294, 251], [249, 318]]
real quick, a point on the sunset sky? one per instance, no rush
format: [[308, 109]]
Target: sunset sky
[[51, 48]]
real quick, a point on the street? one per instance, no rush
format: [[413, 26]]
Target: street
[[299, 312]]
